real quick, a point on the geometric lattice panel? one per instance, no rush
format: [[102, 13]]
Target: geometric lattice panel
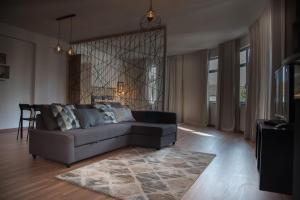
[[126, 68]]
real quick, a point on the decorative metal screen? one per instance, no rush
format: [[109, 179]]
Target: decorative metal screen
[[126, 68]]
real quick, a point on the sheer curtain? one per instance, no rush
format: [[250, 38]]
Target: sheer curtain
[[173, 101], [259, 73], [228, 86], [203, 65], [195, 75], [186, 87]]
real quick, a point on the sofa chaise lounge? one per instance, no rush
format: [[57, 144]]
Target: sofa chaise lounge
[[151, 129]]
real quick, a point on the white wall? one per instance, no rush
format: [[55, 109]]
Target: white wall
[[19, 88], [37, 73]]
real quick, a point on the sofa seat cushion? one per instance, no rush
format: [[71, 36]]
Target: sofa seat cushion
[[152, 129], [98, 133]]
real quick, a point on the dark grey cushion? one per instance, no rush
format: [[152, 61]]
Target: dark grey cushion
[[113, 104], [123, 114], [89, 117], [49, 120], [98, 133], [152, 129], [84, 106]]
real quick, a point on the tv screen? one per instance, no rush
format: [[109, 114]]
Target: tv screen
[[282, 93], [297, 81]]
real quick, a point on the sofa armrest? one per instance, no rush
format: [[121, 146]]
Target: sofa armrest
[[52, 145], [155, 117]]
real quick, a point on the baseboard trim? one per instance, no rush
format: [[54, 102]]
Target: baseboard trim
[[11, 130]]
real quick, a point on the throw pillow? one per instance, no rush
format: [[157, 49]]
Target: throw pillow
[[89, 117], [109, 116], [123, 114], [65, 116]]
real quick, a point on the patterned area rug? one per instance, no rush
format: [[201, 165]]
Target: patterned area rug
[[142, 174]]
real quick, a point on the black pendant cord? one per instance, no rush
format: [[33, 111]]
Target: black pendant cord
[[58, 33], [150, 5], [59, 19], [71, 29]]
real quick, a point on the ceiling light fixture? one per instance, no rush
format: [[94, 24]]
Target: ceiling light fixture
[[150, 19], [71, 50], [58, 47]]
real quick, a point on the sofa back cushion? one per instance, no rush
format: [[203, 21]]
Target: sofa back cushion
[[123, 114], [81, 106], [111, 103], [89, 117]]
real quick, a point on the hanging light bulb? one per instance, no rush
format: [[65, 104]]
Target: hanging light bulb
[[58, 47], [150, 13], [150, 19], [71, 51]]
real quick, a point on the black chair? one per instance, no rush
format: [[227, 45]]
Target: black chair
[[30, 119], [35, 110]]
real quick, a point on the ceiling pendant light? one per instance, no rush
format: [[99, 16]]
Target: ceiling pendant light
[[71, 51], [58, 47], [150, 19], [150, 14]]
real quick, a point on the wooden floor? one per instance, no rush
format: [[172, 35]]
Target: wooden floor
[[232, 175]]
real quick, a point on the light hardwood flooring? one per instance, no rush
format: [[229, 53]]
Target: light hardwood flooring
[[232, 175]]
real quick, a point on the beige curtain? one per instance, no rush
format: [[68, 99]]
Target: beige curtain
[[259, 73], [186, 87], [173, 101], [195, 72], [203, 64], [228, 86]]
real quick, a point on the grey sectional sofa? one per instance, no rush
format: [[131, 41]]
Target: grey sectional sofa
[[151, 129]]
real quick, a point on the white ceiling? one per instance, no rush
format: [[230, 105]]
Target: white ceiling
[[191, 24]]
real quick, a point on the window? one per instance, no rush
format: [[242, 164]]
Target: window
[[152, 87], [244, 60], [212, 79]]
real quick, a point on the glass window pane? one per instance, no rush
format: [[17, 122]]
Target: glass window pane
[[244, 54], [212, 98], [243, 57], [243, 76], [212, 79], [213, 64], [243, 92]]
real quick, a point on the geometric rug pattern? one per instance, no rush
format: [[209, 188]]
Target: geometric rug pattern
[[142, 174]]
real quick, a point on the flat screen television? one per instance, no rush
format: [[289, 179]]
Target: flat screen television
[[297, 81], [284, 93]]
